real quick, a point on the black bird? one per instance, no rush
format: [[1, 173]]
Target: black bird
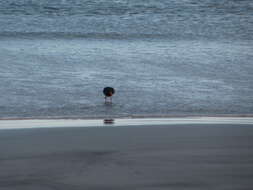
[[108, 92]]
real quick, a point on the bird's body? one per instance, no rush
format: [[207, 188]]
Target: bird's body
[[108, 92]]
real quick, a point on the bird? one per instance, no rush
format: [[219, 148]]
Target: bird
[[108, 92]]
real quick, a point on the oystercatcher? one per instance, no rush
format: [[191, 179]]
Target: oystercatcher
[[108, 92]]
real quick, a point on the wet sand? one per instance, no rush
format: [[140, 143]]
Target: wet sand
[[157, 157], [24, 123]]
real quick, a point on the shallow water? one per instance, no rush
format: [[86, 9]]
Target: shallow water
[[65, 77]]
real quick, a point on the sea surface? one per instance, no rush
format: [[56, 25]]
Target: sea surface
[[163, 57]]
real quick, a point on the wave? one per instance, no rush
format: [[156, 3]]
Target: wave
[[116, 36], [70, 35]]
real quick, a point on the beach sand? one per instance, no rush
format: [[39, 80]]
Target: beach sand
[[156, 157]]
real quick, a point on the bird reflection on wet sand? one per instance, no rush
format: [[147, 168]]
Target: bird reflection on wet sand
[[108, 121]]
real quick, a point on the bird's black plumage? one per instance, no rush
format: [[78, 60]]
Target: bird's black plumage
[[108, 91]]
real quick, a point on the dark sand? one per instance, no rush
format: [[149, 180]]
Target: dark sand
[[130, 158]]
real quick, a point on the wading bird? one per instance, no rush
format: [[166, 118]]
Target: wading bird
[[108, 92]]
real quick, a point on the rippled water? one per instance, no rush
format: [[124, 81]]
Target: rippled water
[[172, 19], [163, 57]]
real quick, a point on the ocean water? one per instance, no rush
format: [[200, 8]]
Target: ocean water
[[163, 57]]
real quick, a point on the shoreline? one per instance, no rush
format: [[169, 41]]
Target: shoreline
[[136, 116], [121, 122]]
